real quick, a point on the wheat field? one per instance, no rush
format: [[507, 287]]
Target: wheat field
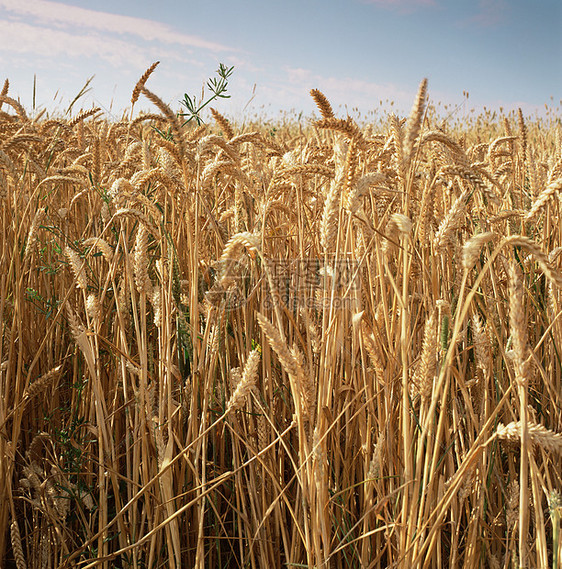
[[327, 344]]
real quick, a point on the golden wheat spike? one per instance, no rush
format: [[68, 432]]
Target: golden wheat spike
[[223, 123], [141, 82], [322, 103], [414, 122]]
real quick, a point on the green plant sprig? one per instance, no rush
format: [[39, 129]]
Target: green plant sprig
[[217, 86]]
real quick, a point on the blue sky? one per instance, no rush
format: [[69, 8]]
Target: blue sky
[[504, 53]]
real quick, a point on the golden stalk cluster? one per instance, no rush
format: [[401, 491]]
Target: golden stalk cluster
[[328, 345]]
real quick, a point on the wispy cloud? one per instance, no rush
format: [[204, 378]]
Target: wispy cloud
[[17, 37], [490, 13], [65, 44], [403, 6], [75, 20], [349, 90]]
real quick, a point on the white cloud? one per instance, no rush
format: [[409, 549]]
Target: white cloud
[[62, 15], [22, 38], [66, 44]]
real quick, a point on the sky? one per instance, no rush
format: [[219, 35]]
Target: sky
[[367, 56]]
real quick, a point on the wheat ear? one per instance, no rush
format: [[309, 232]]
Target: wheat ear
[[482, 346], [141, 82], [77, 266], [322, 103], [414, 123], [518, 324], [170, 116], [348, 127], [16, 106], [223, 123], [330, 216], [538, 435], [5, 88], [32, 235], [246, 383], [423, 379], [279, 346], [451, 222], [42, 383], [17, 548], [544, 197], [471, 249], [80, 117], [529, 245]]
